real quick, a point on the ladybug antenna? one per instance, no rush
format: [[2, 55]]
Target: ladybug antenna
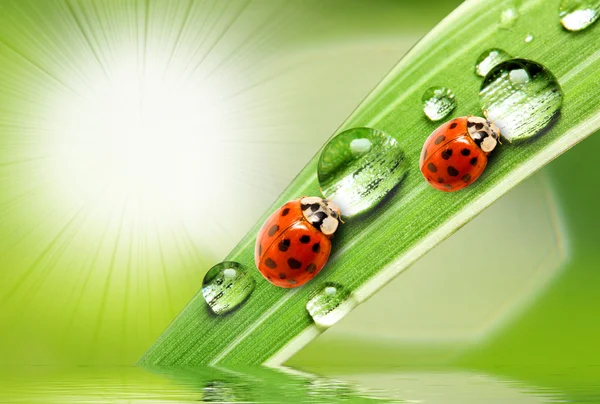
[[325, 197]]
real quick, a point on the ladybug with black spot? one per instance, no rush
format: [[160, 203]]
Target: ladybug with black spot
[[455, 154], [294, 243]]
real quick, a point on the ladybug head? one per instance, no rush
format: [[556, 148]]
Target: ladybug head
[[484, 133], [321, 213]]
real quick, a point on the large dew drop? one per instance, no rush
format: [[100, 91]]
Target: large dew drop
[[226, 286], [329, 304], [488, 59], [438, 102], [576, 15], [359, 167], [521, 97]]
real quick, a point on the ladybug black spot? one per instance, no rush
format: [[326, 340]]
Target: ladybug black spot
[[466, 177], [453, 172], [284, 245], [270, 263], [285, 212], [453, 125], [316, 247], [273, 230], [440, 139], [441, 180], [305, 239], [473, 161], [446, 154], [465, 152], [294, 263], [311, 268], [432, 167], [282, 275]]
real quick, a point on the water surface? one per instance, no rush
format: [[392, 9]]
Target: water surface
[[267, 385]]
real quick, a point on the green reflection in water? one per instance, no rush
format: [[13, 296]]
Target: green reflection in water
[[363, 384], [173, 385]]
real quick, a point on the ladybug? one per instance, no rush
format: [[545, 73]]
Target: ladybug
[[294, 243], [455, 154]]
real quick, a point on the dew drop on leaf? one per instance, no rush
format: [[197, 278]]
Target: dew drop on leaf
[[576, 15], [488, 59], [521, 97], [359, 167], [226, 286], [509, 17], [438, 102], [329, 303]]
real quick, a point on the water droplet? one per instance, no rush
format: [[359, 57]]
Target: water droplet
[[359, 167], [488, 59], [438, 102], [509, 17], [330, 303], [576, 15], [529, 38], [521, 98], [226, 286]]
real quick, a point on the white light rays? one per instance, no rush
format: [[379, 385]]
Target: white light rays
[[132, 139]]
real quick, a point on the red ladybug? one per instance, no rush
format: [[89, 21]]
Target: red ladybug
[[293, 244], [455, 154]]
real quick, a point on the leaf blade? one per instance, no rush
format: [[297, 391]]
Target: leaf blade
[[273, 324]]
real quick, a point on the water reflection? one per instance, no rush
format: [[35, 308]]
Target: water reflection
[[285, 385], [173, 385]]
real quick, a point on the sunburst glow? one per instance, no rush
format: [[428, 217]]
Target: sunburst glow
[[139, 141]]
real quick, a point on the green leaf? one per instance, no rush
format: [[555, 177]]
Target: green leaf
[[372, 249]]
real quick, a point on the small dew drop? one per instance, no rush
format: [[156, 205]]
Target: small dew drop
[[488, 59], [226, 286], [577, 15], [359, 167], [329, 303], [521, 97], [438, 102], [509, 17], [529, 38]]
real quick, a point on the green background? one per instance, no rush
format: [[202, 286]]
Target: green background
[[140, 140]]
